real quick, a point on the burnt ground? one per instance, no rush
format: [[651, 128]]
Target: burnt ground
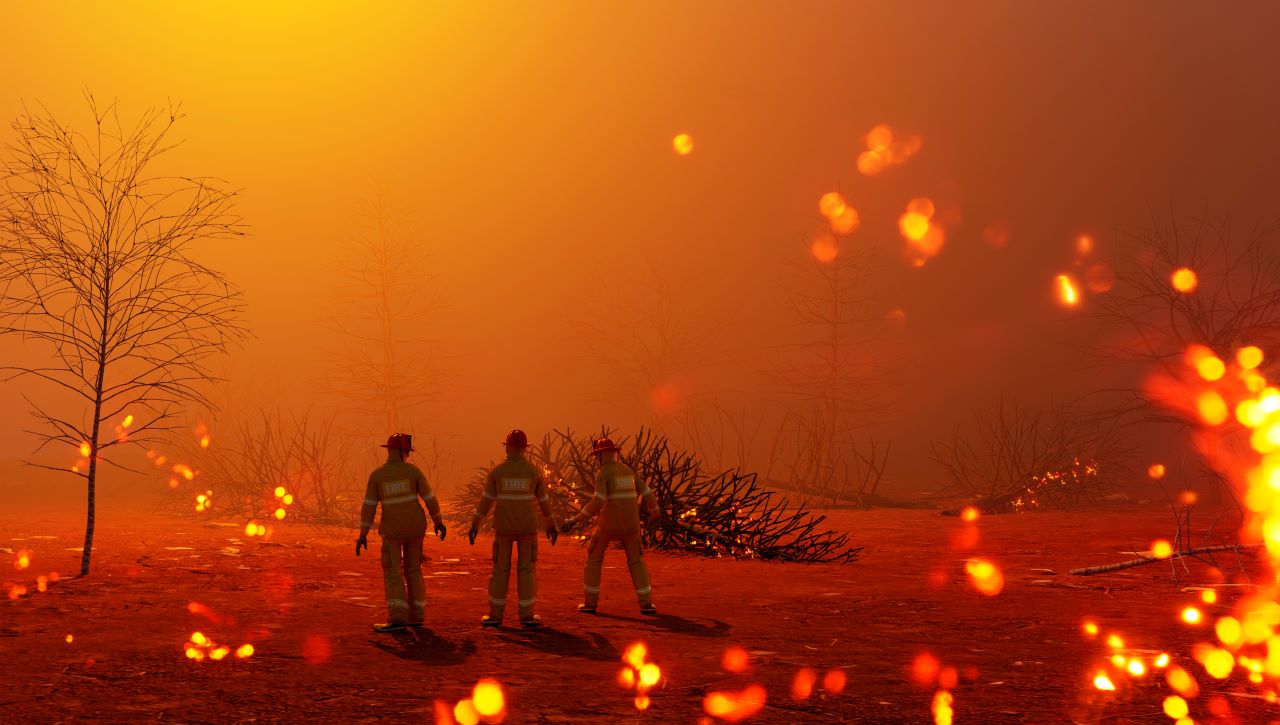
[[306, 602]]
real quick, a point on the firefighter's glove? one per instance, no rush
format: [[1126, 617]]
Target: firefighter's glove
[[552, 533], [362, 542], [567, 526], [440, 530], [473, 532]]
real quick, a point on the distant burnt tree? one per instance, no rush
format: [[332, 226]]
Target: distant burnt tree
[[302, 453], [1225, 296], [823, 445], [96, 270], [724, 513], [1013, 459], [379, 363]]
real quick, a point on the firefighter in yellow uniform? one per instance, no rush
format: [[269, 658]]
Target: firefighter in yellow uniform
[[618, 492], [511, 488], [397, 485]]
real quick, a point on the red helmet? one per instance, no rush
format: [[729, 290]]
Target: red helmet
[[517, 439], [403, 441], [604, 445]]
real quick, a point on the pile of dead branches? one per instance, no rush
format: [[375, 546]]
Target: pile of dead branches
[[303, 453], [1014, 459], [726, 513]]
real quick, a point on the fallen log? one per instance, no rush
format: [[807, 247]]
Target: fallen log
[[1105, 568]]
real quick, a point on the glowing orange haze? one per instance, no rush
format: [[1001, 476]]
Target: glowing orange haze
[[530, 151]]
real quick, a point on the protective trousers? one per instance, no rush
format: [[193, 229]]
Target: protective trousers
[[396, 576], [526, 582], [596, 548]]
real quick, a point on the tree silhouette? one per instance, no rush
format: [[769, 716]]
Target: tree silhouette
[[95, 268], [380, 366], [830, 376]]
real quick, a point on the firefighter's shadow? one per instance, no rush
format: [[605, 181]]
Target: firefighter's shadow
[[673, 623], [553, 641], [425, 646]]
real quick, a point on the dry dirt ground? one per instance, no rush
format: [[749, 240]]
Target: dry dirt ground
[[306, 604]]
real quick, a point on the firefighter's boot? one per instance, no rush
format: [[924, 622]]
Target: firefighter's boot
[[499, 580], [393, 582], [639, 573], [596, 548]]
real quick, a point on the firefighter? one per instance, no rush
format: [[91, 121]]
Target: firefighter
[[515, 484], [397, 485], [618, 492]]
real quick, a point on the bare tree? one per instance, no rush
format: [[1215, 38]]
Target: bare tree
[[95, 267], [650, 344], [823, 442], [1014, 458], [382, 366], [1236, 302]]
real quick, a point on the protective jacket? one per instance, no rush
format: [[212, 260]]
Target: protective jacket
[[397, 485], [514, 485], [619, 492]]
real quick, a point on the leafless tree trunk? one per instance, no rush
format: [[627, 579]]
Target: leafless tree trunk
[[382, 366], [94, 266], [823, 443]]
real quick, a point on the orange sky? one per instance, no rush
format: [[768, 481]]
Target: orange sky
[[528, 147]]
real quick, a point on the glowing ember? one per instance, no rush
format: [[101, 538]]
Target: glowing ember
[[1208, 596], [1136, 668], [683, 144], [1084, 244], [1104, 683], [825, 248], [1067, 290], [488, 698], [70, 638], [1161, 549], [23, 560], [1191, 615], [185, 471], [1156, 471], [914, 226], [832, 204], [280, 513], [834, 681], [1175, 707], [886, 149], [639, 673], [204, 501], [1249, 357], [1091, 629], [244, 651], [1212, 408], [802, 685], [1162, 661], [42, 583], [1114, 642], [1182, 682], [1218, 663], [287, 499], [1228, 631], [84, 449], [969, 514], [735, 706], [735, 660], [942, 712], [1184, 280], [984, 576], [924, 669], [280, 492], [465, 713]]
